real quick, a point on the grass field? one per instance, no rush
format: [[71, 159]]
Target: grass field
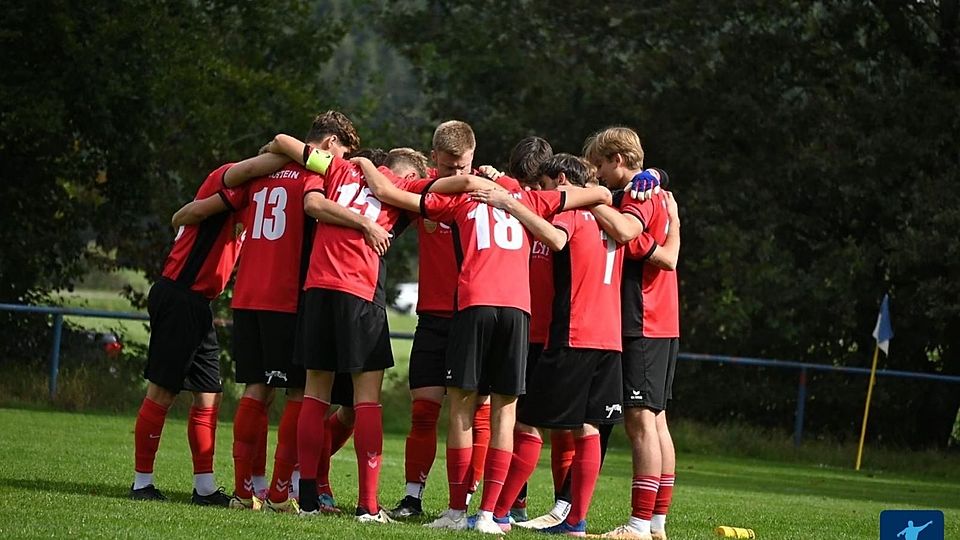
[[67, 474]]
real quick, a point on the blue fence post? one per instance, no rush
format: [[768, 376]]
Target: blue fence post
[[55, 353], [801, 407]]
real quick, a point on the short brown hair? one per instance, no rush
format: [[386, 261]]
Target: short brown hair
[[334, 123], [407, 157], [526, 157], [573, 167], [454, 137], [615, 140]]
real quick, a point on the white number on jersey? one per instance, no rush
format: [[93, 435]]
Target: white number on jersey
[[271, 227], [358, 200], [507, 231], [611, 258]]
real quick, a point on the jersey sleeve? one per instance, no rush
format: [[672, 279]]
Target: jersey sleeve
[[566, 222], [642, 210], [641, 247], [419, 185], [439, 207], [236, 198], [233, 198], [544, 203], [508, 183]]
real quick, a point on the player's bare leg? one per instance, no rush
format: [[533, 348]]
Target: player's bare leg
[[641, 425]]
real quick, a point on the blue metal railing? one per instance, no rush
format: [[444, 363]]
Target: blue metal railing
[[59, 312]]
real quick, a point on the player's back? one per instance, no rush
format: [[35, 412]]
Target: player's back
[[587, 276], [270, 263], [203, 255]]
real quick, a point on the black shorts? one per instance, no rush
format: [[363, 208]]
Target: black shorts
[[342, 333], [429, 353], [534, 352], [648, 367], [184, 353], [488, 350], [573, 387], [263, 348]]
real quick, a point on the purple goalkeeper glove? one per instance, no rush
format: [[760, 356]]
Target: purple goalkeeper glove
[[646, 183]]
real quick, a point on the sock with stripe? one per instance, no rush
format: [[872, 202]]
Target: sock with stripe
[[643, 498], [662, 504]]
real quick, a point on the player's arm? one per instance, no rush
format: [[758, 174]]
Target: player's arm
[[622, 228], [667, 255], [194, 212], [463, 183], [323, 209], [541, 229], [384, 190], [291, 147], [254, 167], [578, 197]]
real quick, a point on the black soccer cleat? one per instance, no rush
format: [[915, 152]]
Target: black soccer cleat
[[217, 498], [146, 493], [408, 507]]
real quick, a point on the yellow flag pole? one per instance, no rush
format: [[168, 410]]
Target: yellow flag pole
[[866, 408]]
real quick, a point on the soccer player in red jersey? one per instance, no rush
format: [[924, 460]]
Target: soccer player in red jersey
[[651, 333], [490, 327], [183, 352], [452, 153]]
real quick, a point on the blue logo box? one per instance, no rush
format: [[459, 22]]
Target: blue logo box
[[911, 525]]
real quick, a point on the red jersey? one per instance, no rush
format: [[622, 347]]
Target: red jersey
[[586, 276], [438, 267], [651, 299], [269, 276], [203, 255], [492, 247], [541, 291], [341, 260]]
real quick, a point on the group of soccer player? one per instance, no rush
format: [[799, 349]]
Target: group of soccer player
[[548, 305]]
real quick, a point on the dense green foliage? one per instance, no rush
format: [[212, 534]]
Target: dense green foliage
[[812, 146]]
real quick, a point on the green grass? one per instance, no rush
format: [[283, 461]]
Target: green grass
[[67, 475]]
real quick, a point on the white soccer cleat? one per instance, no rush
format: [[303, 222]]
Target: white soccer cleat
[[453, 520], [380, 517], [489, 526], [626, 532], [559, 513]]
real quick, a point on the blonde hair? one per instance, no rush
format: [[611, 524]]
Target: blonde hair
[[615, 140], [407, 157], [454, 137]]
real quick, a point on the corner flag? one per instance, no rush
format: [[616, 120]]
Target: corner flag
[[883, 332]]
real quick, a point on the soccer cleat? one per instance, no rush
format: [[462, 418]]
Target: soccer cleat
[[625, 532], [454, 520], [408, 507], [580, 529], [261, 494], [288, 506], [542, 522], [518, 515], [307, 513], [658, 535], [217, 498], [327, 504], [146, 493], [489, 525], [253, 503], [364, 516]]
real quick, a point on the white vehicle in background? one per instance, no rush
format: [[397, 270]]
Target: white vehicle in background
[[406, 300]]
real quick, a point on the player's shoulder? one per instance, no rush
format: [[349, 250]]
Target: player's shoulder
[[214, 181], [509, 183]]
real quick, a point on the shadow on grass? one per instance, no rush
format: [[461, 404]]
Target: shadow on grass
[[81, 488]]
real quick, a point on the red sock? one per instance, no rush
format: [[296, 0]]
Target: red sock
[[337, 436], [644, 495], [146, 434], [202, 434], [664, 494], [585, 470], [246, 436], [311, 436], [481, 440], [526, 454], [562, 450], [494, 475], [259, 467], [421, 449], [368, 443], [285, 458], [458, 468]]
